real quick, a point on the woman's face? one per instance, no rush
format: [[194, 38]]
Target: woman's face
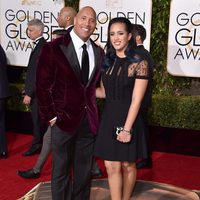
[[119, 38]]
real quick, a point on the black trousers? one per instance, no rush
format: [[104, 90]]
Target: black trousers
[[3, 142], [72, 163], [39, 128], [144, 112]]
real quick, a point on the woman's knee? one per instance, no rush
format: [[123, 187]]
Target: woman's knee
[[112, 167], [128, 167]]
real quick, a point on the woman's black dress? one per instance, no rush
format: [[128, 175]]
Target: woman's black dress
[[119, 82]]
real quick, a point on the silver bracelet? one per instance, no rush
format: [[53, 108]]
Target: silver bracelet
[[127, 131]]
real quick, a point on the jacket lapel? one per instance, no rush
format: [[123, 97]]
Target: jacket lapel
[[96, 55], [70, 54], [41, 41], [69, 51]]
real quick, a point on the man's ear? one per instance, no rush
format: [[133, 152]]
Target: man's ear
[[138, 38], [129, 36], [74, 20], [68, 18]]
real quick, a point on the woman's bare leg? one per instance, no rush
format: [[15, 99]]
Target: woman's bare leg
[[114, 179], [129, 179]]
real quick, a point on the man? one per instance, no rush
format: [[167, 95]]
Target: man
[[65, 20], [35, 32], [4, 93], [66, 17], [65, 86], [139, 33]]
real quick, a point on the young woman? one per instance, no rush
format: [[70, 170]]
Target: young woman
[[124, 83]]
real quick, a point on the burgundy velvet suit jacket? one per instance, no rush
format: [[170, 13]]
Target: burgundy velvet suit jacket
[[59, 89]]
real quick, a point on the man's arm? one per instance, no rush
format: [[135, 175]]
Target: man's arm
[[45, 75]]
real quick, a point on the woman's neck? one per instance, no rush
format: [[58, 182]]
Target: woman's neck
[[121, 54]]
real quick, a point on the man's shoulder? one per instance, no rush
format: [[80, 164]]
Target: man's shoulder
[[94, 44], [145, 54], [40, 44], [62, 40], [97, 46], [42, 40], [141, 50]]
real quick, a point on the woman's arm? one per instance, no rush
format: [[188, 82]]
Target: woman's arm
[[137, 97]]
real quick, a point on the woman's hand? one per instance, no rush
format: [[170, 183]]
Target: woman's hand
[[124, 136]]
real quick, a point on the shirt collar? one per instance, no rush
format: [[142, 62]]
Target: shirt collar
[[78, 43], [37, 40], [68, 27]]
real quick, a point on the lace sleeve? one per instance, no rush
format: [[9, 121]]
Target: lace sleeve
[[139, 70], [142, 70]]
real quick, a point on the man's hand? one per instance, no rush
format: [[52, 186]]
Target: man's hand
[[53, 121], [27, 100]]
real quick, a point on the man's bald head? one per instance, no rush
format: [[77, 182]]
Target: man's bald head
[[85, 23], [66, 17]]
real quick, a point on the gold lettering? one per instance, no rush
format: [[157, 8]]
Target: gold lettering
[[31, 2]]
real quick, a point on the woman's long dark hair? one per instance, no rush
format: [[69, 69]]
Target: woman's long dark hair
[[110, 51]]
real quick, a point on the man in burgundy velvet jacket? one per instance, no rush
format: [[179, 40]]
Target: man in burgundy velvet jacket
[[70, 106]]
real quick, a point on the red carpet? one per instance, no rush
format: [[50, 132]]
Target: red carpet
[[178, 170]]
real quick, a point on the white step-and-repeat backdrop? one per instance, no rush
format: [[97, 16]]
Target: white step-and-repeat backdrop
[[184, 38], [137, 11], [14, 16], [183, 58]]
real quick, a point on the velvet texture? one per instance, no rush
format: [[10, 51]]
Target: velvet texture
[[59, 88]]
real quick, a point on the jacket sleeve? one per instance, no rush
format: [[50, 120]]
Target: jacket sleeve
[[45, 75], [30, 80], [31, 71]]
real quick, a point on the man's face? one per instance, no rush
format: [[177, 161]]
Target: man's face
[[33, 32], [62, 19], [85, 23]]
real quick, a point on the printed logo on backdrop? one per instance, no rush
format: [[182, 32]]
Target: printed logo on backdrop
[[114, 3], [13, 24], [32, 2], [137, 11], [184, 39]]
